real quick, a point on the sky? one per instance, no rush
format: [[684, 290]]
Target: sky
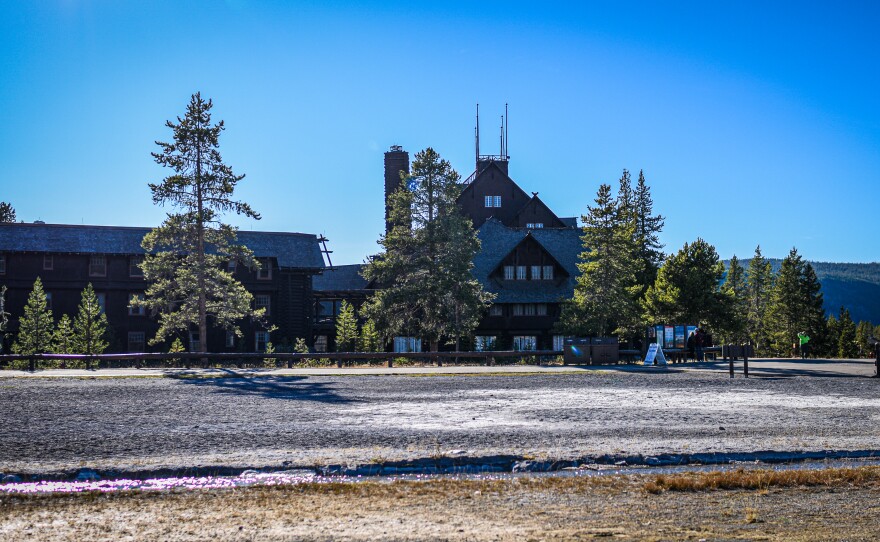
[[755, 123]]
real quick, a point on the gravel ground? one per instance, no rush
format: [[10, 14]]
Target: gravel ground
[[52, 424]]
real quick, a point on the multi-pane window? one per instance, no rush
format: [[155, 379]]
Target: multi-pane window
[[557, 342], [49, 300], [97, 265], [483, 343], [520, 272], [2, 264], [262, 301], [517, 309], [534, 225], [231, 266], [548, 272], [102, 301], [536, 272], [48, 262], [496, 310], [524, 342], [134, 309], [508, 272], [265, 271], [493, 201], [529, 309], [407, 344], [134, 266], [230, 339], [541, 309], [195, 344], [261, 339], [321, 343], [136, 341]]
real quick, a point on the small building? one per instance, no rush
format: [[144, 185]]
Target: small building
[[69, 257]]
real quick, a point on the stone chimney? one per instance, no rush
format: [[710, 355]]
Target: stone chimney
[[396, 161]]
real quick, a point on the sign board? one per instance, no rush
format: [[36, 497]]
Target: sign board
[[655, 355]]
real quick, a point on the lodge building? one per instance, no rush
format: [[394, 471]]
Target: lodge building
[[69, 257]]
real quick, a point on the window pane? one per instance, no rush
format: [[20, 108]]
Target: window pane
[[557, 342], [508, 272], [548, 272], [262, 301], [539, 225], [520, 272], [536, 272], [530, 309], [517, 309], [321, 343], [97, 265], [134, 266], [136, 341], [541, 309], [48, 263], [230, 339], [489, 201], [497, 201], [102, 301], [49, 300], [483, 343], [495, 310]]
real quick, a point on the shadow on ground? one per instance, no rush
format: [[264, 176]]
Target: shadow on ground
[[296, 388]]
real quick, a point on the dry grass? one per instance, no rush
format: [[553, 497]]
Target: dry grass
[[765, 479]]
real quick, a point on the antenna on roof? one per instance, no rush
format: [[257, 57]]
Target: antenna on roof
[[506, 124], [477, 139]]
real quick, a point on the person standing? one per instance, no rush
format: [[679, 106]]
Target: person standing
[[805, 344], [699, 339]]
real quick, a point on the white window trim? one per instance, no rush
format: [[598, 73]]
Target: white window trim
[[93, 266], [267, 305], [261, 336], [265, 267], [531, 343], [134, 268], [497, 201]]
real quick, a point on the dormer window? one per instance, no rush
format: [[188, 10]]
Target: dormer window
[[265, 270], [493, 201], [534, 225]]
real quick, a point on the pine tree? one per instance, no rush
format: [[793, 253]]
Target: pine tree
[[649, 250], [759, 283], [815, 305], [428, 290], [4, 317], [370, 340], [62, 341], [832, 338], [36, 327], [736, 290], [89, 325], [7, 212], [605, 293], [796, 305], [346, 328], [186, 256], [688, 290], [863, 338], [847, 347]]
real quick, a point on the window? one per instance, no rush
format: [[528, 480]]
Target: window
[[49, 300], [508, 272], [261, 339], [194, 343], [136, 341], [529, 309], [517, 309], [497, 201], [407, 344], [548, 272], [230, 339], [496, 310], [134, 266], [493, 201], [265, 270], [231, 266], [520, 272], [524, 342], [541, 309], [136, 310], [97, 265], [262, 301], [557, 342], [321, 343], [535, 225], [102, 301], [536, 272], [483, 343], [48, 262], [2, 264]]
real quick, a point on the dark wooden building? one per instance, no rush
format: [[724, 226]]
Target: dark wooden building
[[68, 257]]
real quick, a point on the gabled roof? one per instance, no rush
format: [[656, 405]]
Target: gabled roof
[[292, 250], [341, 278], [498, 240], [536, 202], [569, 221], [482, 175]]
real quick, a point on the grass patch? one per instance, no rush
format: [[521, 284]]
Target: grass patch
[[761, 479]]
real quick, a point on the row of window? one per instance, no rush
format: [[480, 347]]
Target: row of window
[[536, 272], [519, 309], [137, 341], [98, 266], [261, 301], [534, 225], [484, 343]]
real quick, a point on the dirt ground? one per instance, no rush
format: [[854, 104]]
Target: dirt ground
[[617, 508]]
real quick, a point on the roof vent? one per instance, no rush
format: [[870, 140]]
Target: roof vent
[[38, 222]]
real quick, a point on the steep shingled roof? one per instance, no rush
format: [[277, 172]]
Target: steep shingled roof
[[498, 241], [341, 278], [300, 250]]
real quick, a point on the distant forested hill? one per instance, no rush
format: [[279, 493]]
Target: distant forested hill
[[856, 286]]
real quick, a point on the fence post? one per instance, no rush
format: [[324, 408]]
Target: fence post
[[390, 362], [745, 361], [730, 358], [32, 364]]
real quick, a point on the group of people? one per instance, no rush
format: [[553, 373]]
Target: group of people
[[696, 341]]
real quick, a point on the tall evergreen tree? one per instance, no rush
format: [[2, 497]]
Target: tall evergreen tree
[[736, 290], [688, 288], [4, 318], [428, 290], [62, 341], [847, 347], [796, 305], [649, 250], [186, 256], [759, 283], [863, 338], [346, 328], [604, 300], [89, 325], [36, 327], [7, 212], [369, 340], [815, 305], [832, 338]]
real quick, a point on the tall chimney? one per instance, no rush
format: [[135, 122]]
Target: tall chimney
[[396, 161]]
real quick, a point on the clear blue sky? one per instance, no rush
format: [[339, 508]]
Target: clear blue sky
[[755, 123]]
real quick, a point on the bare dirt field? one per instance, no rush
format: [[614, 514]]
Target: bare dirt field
[[616, 508]]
